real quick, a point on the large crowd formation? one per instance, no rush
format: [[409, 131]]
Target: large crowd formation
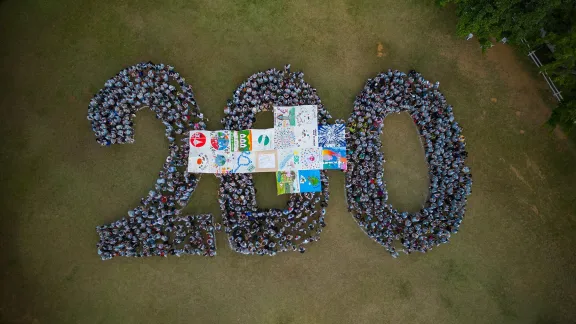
[[450, 179], [156, 226], [252, 230]]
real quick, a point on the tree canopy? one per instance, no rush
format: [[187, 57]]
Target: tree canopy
[[516, 20]]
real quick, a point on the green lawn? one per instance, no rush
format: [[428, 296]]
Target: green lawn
[[513, 260]]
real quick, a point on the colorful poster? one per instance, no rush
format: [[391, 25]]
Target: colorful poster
[[296, 143], [306, 136], [306, 116], [199, 142], [288, 159], [266, 161], [234, 141], [332, 135], [244, 140], [310, 158], [262, 139], [309, 181], [221, 140], [287, 182], [284, 137], [334, 158], [221, 162], [284, 116], [199, 163], [210, 162], [243, 162]]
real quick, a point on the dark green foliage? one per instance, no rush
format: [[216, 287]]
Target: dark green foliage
[[563, 67], [495, 19], [524, 19], [563, 71], [564, 114]]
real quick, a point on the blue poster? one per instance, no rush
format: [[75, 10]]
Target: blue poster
[[332, 135], [310, 180]]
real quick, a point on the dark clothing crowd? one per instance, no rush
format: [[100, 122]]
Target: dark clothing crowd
[[252, 230], [157, 226], [444, 146]]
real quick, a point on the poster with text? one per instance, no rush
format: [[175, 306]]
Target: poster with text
[[288, 159], [306, 136], [266, 161], [198, 163], [209, 162], [221, 162], [306, 115], [200, 142]]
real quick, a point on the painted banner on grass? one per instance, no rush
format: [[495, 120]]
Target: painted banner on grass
[[297, 148]]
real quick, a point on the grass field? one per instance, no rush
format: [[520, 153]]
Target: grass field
[[513, 260]]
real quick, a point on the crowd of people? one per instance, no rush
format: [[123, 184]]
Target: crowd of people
[[156, 226], [450, 180], [252, 230]]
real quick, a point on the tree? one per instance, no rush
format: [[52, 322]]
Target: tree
[[564, 115], [496, 19], [517, 20], [562, 70]]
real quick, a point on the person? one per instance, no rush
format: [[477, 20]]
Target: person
[[259, 231], [252, 230], [444, 148], [144, 232]]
